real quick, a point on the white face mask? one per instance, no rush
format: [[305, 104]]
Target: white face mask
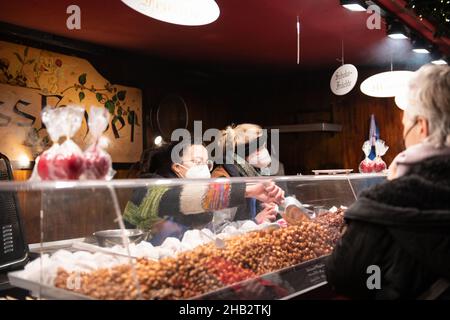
[[260, 160], [198, 172]]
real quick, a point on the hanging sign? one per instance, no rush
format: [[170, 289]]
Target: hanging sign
[[344, 79]]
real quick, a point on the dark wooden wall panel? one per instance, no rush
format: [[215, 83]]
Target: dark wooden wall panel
[[306, 98]]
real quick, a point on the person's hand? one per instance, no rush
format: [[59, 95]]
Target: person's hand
[[265, 192], [276, 194], [268, 214]]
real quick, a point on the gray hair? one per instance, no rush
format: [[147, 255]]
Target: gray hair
[[429, 97]]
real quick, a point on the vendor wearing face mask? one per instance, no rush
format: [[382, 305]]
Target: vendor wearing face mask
[[249, 157], [194, 163], [260, 160], [177, 209]]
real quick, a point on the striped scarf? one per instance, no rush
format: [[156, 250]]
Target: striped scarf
[[145, 215]]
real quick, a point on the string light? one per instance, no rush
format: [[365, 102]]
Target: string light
[[438, 14]]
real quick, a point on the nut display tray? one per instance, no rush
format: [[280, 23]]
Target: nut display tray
[[282, 284]]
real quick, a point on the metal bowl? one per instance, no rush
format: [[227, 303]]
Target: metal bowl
[[110, 238]]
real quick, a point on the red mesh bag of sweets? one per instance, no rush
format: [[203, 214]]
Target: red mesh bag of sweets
[[98, 163], [63, 161], [367, 165]]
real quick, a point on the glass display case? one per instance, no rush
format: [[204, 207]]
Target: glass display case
[[181, 238]]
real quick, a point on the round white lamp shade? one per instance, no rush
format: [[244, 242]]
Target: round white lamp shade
[[181, 12], [386, 84]]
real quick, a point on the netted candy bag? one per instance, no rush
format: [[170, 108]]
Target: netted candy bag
[[98, 163], [62, 161]]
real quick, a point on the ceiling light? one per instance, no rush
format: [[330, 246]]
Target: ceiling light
[[421, 50], [421, 46], [181, 12], [439, 62], [397, 36], [396, 30], [353, 5], [438, 58]]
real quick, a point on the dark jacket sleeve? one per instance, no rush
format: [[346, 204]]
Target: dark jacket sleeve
[[237, 195], [361, 246]]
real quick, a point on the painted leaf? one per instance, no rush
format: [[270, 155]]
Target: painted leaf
[[121, 95], [99, 97], [81, 95], [110, 106], [82, 79]]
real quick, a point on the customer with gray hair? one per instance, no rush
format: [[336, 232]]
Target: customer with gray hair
[[429, 103], [426, 120], [397, 239]]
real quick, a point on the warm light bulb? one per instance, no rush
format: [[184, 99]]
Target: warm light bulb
[[23, 161], [158, 140]]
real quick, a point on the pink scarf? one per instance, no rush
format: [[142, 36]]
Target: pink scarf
[[415, 154]]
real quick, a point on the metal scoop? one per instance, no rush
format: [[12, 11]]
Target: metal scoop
[[293, 211]]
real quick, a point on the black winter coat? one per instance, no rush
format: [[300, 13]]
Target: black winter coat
[[401, 226]]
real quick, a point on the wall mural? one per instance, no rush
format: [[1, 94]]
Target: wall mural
[[31, 79]]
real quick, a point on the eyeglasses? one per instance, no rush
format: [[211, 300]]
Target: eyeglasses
[[414, 123], [209, 163]]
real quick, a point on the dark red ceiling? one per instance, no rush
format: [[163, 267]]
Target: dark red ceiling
[[254, 32]]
